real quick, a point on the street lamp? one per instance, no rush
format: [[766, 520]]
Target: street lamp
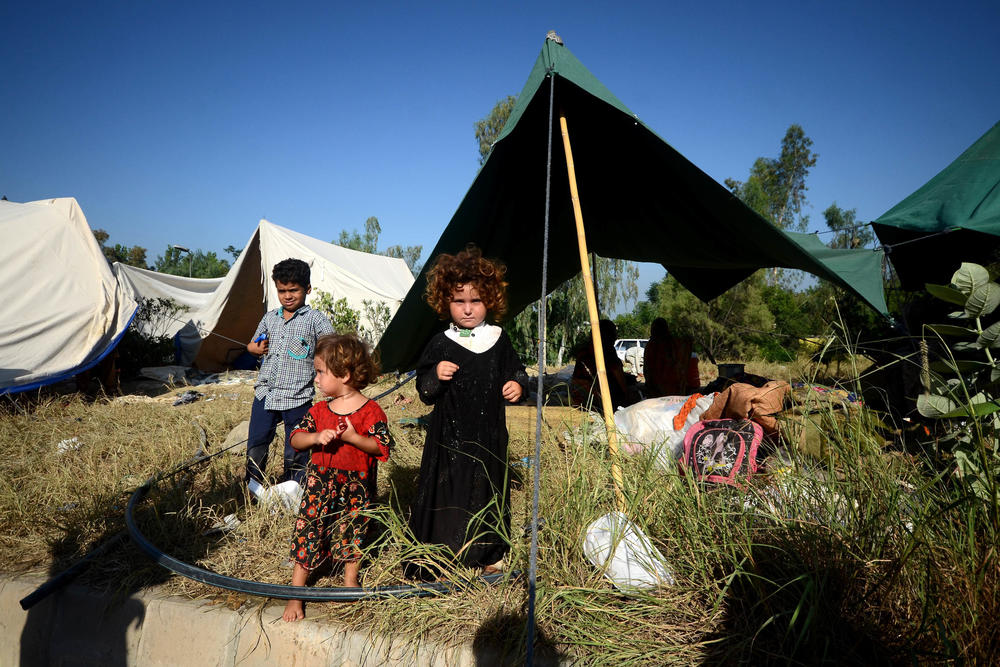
[[182, 248]]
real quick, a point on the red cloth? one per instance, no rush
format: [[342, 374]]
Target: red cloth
[[368, 420], [694, 377], [666, 367], [681, 417]]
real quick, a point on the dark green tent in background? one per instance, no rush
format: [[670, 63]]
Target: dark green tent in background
[[641, 200], [953, 218]]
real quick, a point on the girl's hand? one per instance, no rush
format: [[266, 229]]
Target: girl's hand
[[512, 391], [349, 434], [326, 436], [446, 370]]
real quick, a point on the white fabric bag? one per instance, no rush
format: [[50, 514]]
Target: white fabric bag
[[623, 553]]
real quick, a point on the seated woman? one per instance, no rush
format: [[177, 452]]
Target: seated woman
[[666, 362], [583, 386]]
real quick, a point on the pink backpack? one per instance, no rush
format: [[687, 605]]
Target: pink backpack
[[722, 450]]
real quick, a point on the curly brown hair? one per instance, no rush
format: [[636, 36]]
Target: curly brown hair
[[344, 354], [467, 267]]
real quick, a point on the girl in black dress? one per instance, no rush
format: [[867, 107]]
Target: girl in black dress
[[468, 372]]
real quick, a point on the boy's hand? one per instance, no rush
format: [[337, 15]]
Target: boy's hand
[[257, 348], [512, 391], [446, 370]]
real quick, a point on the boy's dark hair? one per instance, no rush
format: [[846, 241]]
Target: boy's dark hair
[[344, 354], [291, 271]]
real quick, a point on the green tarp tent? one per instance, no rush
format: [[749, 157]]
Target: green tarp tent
[[953, 218], [641, 201]]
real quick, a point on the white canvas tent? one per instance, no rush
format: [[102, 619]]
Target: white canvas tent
[[194, 296], [63, 311], [222, 314]]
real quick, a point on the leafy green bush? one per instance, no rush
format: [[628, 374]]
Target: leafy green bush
[[146, 342], [369, 325], [377, 315], [967, 378], [343, 318]]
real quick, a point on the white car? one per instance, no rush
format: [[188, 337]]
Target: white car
[[623, 345]]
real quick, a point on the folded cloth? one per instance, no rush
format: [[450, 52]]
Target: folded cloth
[[745, 401]]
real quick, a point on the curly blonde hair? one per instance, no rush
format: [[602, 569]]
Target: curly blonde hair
[[467, 267], [344, 354]]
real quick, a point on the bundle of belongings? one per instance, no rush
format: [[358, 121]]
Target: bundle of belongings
[[719, 436], [813, 413]]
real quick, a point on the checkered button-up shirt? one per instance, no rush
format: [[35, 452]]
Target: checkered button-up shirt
[[286, 373]]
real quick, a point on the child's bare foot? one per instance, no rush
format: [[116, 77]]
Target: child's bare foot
[[351, 571], [294, 611]]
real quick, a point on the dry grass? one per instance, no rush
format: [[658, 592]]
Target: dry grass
[[828, 572]]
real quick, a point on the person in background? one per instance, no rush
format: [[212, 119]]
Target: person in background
[[583, 385], [667, 362]]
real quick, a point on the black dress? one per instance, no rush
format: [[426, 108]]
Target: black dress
[[464, 471]]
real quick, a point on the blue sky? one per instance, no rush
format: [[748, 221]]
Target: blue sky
[[186, 122]]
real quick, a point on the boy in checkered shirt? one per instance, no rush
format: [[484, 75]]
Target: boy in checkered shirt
[[286, 338]]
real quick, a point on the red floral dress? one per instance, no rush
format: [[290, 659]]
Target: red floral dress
[[338, 486]]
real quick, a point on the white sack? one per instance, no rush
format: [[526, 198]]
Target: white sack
[[623, 554], [285, 496], [650, 424]]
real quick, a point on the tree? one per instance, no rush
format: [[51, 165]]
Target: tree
[[636, 324], [793, 322], [730, 326], [490, 127], [234, 251], [847, 232], [776, 187], [355, 241], [131, 255], [567, 317], [409, 254], [369, 243], [201, 264], [833, 305]]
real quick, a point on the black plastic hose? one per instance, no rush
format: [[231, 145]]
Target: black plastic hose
[[283, 592]]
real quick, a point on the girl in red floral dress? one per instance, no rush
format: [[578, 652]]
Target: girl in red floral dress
[[348, 435]]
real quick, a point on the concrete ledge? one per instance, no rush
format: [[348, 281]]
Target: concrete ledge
[[77, 626], [18, 632], [181, 632]]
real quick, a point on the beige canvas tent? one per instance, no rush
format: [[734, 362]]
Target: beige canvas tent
[[221, 314], [63, 311], [193, 296]]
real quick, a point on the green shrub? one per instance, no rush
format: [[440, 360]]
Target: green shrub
[[369, 325], [145, 342], [966, 379]]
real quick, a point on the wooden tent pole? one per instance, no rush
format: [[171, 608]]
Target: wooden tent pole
[[596, 280], [588, 285]]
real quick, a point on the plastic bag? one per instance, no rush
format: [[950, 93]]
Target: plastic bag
[[624, 554], [285, 496]]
